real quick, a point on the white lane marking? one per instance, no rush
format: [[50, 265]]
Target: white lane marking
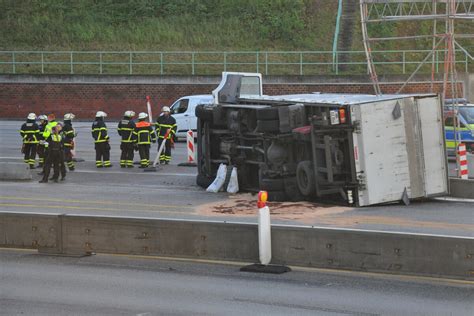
[[453, 199]]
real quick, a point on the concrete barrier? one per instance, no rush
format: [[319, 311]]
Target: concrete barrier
[[14, 171], [461, 188], [398, 253]]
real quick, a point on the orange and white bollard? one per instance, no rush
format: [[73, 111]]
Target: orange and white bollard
[[190, 143], [264, 229], [462, 156]]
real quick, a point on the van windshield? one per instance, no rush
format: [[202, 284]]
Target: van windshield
[[468, 114]]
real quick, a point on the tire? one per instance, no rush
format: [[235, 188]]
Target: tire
[[203, 181], [269, 184], [204, 114], [267, 114], [277, 196], [268, 126], [305, 178]]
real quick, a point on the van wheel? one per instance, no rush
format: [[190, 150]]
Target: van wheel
[[305, 178], [203, 113]]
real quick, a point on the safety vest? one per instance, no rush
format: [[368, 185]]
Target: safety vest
[[144, 133], [49, 128]]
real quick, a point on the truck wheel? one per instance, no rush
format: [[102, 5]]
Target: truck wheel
[[268, 126], [203, 181], [203, 114], [305, 178], [277, 196], [267, 114]]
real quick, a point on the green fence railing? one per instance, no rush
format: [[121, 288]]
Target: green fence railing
[[214, 62]]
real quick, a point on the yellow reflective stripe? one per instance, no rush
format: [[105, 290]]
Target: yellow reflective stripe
[[99, 129]]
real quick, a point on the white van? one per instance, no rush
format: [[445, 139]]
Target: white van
[[183, 112]]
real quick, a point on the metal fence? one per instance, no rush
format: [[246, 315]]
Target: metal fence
[[214, 62]]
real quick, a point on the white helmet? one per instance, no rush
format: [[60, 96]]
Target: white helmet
[[43, 117], [142, 115], [165, 109], [69, 116], [32, 116], [129, 114], [101, 114]]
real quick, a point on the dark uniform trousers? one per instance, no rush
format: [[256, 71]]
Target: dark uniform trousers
[[30, 153], [54, 159], [41, 150], [102, 153], [166, 153], [144, 151], [126, 158]]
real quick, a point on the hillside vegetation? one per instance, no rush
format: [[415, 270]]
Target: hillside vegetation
[[167, 24]]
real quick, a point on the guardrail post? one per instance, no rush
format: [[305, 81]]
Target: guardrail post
[[192, 65], [13, 63], [72, 67], [301, 64], [266, 63], [257, 60], [161, 63], [337, 63], [100, 62], [403, 61], [225, 61], [130, 64], [42, 62]]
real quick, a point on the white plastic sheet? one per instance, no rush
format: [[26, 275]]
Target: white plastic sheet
[[233, 186], [218, 182]]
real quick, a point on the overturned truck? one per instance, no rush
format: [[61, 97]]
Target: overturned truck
[[350, 149]]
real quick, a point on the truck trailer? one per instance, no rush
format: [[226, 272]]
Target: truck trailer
[[345, 148]]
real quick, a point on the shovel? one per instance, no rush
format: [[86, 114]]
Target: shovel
[[160, 150]]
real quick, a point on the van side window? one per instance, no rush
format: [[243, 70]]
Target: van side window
[[180, 107]]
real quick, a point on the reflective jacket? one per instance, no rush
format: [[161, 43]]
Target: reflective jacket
[[126, 129], [54, 142], [41, 129], [164, 123], [144, 133], [68, 134], [49, 128], [30, 132], [99, 131]]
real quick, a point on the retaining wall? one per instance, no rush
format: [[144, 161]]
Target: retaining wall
[[84, 95]]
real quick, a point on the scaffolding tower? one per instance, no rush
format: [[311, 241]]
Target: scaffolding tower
[[433, 22]]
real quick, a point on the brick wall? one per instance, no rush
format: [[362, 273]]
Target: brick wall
[[18, 99]]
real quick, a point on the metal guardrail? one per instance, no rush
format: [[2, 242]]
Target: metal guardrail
[[214, 62]]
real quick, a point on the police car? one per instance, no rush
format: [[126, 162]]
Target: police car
[[461, 128]]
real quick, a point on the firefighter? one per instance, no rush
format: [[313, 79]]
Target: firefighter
[[164, 123], [47, 132], [30, 134], [101, 140], [68, 134], [54, 143], [145, 135], [126, 128], [43, 120]]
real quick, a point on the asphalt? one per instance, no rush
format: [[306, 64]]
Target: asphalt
[[171, 192], [33, 284]]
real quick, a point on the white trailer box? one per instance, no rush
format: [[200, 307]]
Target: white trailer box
[[399, 151]]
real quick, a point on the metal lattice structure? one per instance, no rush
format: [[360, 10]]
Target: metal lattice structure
[[442, 15]]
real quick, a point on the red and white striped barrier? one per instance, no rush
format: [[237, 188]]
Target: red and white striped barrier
[[462, 156], [190, 141], [191, 161]]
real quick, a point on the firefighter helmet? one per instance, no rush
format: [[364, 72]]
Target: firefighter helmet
[[69, 116], [129, 114], [165, 109], [32, 116], [142, 116], [100, 114]]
